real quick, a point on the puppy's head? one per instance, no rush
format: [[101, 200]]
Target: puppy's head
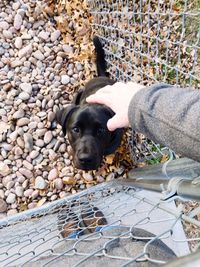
[[88, 134]]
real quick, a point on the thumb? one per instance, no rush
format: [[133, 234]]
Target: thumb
[[113, 123]]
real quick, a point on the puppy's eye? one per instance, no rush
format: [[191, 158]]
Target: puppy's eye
[[76, 130], [101, 131]]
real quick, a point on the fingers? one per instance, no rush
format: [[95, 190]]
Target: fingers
[[98, 98], [114, 123], [106, 89]]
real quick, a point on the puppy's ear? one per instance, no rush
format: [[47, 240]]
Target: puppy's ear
[[77, 97], [115, 141], [63, 115]]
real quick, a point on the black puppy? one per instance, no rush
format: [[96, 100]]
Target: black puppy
[[85, 124]]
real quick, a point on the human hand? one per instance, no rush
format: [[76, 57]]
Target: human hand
[[117, 97]]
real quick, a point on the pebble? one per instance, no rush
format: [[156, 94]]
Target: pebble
[[16, 63], [3, 127], [68, 49], [18, 42], [50, 103], [79, 66], [7, 34], [100, 179], [27, 165], [24, 96], [39, 159], [53, 174], [51, 116], [62, 149], [39, 143], [6, 146], [16, 5], [18, 21], [3, 206], [32, 125], [40, 132], [28, 141], [32, 205], [55, 35], [21, 179], [28, 192], [34, 154], [26, 87], [27, 173], [65, 79], [25, 183], [40, 183], [4, 25], [48, 137], [10, 184], [44, 35], [63, 194], [23, 121], [11, 198], [25, 51], [4, 169], [38, 55], [2, 194], [19, 191], [110, 177], [35, 194], [53, 197], [88, 177], [57, 145], [58, 183], [19, 114], [12, 212], [18, 151]]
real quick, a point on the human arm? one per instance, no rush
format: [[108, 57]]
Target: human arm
[[170, 116], [165, 114]]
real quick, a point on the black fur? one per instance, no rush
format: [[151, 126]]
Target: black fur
[[100, 58], [86, 124]]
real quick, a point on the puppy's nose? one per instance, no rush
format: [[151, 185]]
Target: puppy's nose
[[85, 158]]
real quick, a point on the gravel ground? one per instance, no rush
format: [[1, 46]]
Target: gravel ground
[[36, 79]]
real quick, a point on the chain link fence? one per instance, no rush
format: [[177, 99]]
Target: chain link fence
[[111, 224], [149, 42]]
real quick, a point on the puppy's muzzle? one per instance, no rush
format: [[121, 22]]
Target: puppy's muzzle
[[88, 155], [85, 158]]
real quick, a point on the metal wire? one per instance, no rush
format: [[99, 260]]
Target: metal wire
[[148, 42], [111, 224]]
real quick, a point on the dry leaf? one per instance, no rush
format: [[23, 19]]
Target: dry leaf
[[164, 158], [109, 159], [69, 180], [41, 202], [23, 207]]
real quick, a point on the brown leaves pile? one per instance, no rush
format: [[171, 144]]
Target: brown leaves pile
[[74, 21]]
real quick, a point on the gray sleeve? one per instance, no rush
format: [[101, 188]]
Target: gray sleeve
[[170, 116]]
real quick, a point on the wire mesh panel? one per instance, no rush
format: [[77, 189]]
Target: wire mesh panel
[[150, 41], [110, 224]]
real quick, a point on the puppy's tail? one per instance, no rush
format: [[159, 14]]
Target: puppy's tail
[[100, 57]]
